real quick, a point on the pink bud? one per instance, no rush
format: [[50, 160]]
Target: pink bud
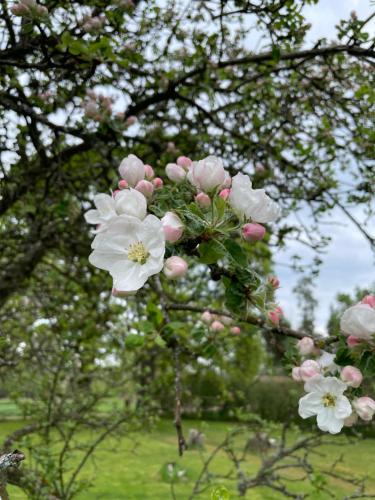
[[352, 341], [227, 181], [145, 187], [184, 161], [369, 300], [175, 173], [131, 120], [365, 407], [224, 193], [123, 184], [175, 267], [273, 281], [253, 232], [172, 226], [296, 374], [206, 317], [236, 330], [306, 346], [158, 183], [275, 315], [203, 200], [351, 376], [115, 193], [149, 171], [217, 326], [309, 369]]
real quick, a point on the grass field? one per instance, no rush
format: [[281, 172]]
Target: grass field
[[130, 468]]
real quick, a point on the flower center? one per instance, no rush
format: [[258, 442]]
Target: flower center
[[329, 400], [138, 253]]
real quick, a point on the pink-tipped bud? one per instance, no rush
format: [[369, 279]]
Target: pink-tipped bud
[[184, 162], [309, 369], [296, 374], [275, 315], [175, 268], [206, 317], [306, 346], [116, 192], [123, 184], [369, 300], [224, 193], [131, 120], [217, 326], [253, 232], [351, 376], [273, 281], [236, 330], [158, 183], [203, 200], [172, 226], [149, 172], [175, 173], [365, 408], [352, 341], [145, 187]]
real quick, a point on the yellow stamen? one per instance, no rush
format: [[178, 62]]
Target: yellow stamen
[[138, 253], [329, 400]]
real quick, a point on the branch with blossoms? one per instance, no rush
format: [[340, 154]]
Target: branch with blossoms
[[151, 226]]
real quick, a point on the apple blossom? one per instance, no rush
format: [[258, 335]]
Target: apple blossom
[[149, 172], [309, 369], [326, 400], [175, 173], [173, 227], [131, 202], [275, 315], [369, 300], [184, 161], [131, 250], [351, 376], [224, 193], [132, 170], [217, 326], [175, 267], [206, 317], [273, 281], [203, 200], [296, 373], [131, 120], [145, 187], [253, 232], [123, 184], [104, 212], [305, 346], [364, 407], [252, 203], [158, 182], [236, 330], [359, 321], [207, 174], [327, 362], [352, 341], [227, 181]]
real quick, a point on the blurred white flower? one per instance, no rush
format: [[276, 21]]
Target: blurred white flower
[[131, 250], [132, 170], [359, 321]]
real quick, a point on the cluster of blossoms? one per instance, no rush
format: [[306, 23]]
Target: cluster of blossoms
[[130, 241], [218, 323], [326, 382], [29, 8]]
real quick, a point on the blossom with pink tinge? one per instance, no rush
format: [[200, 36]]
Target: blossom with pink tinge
[[359, 321], [175, 173], [296, 373], [149, 172], [369, 300], [145, 187], [206, 317], [175, 267], [275, 315], [306, 346], [273, 281], [351, 376], [253, 232], [158, 182], [207, 174], [309, 368], [184, 161], [172, 226], [131, 120], [224, 193], [351, 420], [217, 326], [203, 200], [227, 181], [236, 330], [123, 184], [365, 408], [132, 170], [352, 341]]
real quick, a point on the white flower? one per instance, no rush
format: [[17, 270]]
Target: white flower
[[207, 174], [325, 399], [131, 250], [252, 203], [326, 362], [132, 170], [131, 202], [359, 321], [105, 211]]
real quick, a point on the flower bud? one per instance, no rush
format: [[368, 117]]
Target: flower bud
[[227, 181], [351, 376], [253, 232], [131, 120], [206, 317], [236, 330], [369, 300], [217, 326], [203, 200], [184, 162], [309, 369], [132, 170], [123, 184], [305, 346], [19, 9], [352, 341], [296, 374], [175, 173], [173, 227], [365, 408], [224, 193], [157, 182], [351, 420], [275, 315], [273, 281], [149, 172], [175, 267], [145, 187]]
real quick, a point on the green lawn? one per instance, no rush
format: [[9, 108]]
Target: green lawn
[[130, 468]]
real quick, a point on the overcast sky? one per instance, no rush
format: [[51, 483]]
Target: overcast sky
[[349, 261]]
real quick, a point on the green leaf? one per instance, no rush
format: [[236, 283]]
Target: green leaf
[[236, 251], [134, 340], [220, 493], [211, 251]]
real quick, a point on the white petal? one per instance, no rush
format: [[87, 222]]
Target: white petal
[[343, 408], [105, 260], [105, 204], [314, 384], [127, 276], [327, 421], [92, 217], [359, 320], [334, 386], [310, 405]]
